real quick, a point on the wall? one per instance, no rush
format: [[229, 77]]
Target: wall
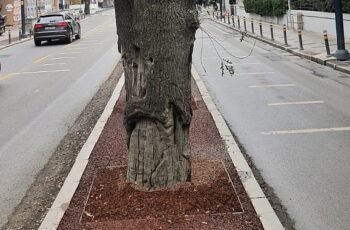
[[313, 21]]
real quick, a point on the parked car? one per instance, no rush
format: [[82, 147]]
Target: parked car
[[61, 26]]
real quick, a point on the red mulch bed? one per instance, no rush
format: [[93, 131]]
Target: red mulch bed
[[215, 199]]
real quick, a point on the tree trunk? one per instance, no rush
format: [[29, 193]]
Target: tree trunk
[[156, 41], [87, 7]]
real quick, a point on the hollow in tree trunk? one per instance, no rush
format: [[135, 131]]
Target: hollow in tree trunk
[[156, 40]]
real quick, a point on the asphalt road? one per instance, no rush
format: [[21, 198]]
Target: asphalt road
[[293, 118], [42, 92]]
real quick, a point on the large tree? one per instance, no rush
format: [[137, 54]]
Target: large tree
[[155, 38]]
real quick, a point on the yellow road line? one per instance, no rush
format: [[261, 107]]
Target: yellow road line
[[41, 59], [7, 76]]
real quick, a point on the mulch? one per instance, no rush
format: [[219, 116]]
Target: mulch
[[214, 199]]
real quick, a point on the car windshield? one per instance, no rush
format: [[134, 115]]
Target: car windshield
[[51, 18]]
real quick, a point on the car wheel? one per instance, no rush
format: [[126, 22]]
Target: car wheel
[[37, 43], [70, 38], [78, 36]]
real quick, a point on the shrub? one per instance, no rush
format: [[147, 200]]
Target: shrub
[[266, 7]]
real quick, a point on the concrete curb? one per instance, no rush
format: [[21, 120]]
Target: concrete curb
[[65, 195], [261, 204], [322, 61], [15, 43]]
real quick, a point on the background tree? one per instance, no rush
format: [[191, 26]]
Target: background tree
[[156, 41]]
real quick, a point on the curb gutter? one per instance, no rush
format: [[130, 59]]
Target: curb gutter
[[323, 61], [261, 204]]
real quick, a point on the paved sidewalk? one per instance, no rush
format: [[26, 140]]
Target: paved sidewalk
[[11, 37], [313, 43]]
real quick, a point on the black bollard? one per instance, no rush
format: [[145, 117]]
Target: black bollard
[[228, 18], [245, 24], [271, 30], [233, 21], [9, 36], [238, 23], [326, 42], [252, 23], [285, 34], [261, 32], [300, 40]]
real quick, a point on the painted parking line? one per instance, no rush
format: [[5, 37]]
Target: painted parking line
[[271, 86], [46, 71], [79, 48], [305, 131], [7, 76], [53, 64], [296, 103], [256, 73], [74, 52], [41, 59], [60, 58], [248, 63]]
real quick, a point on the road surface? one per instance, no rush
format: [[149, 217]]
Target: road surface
[[42, 92], [293, 118]]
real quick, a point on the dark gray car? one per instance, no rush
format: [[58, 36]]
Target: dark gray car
[[61, 26]]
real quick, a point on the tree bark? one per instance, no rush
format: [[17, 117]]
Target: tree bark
[[156, 40]]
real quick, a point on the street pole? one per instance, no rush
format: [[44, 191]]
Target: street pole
[[341, 54], [23, 20], [220, 8], [289, 15]]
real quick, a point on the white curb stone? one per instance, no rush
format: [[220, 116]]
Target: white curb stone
[[64, 197], [261, 205]]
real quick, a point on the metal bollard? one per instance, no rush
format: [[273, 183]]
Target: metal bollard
[[261, 32], [271, 30], [224, 18], [285, 34], [326, 42], [300, 40], [233, 21], [9, 36], [238, 23], [245, 24], [252, 23], [228, 18], [19, 34]]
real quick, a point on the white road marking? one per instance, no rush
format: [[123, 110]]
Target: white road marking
[[296, 103], [91, 43], [216, 57], [79, 48], [60, 58], [252, 63], [270, 86], [46, 71], [256, 73], [51, 64], [304, 131], [70, 53]]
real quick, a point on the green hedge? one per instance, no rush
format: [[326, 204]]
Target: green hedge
[[266, 7], [319, 5]]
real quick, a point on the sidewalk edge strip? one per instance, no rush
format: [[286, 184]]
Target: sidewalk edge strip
[[65, 195], [261, 204]]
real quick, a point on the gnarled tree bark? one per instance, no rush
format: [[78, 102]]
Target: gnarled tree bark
[[156, 40]]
